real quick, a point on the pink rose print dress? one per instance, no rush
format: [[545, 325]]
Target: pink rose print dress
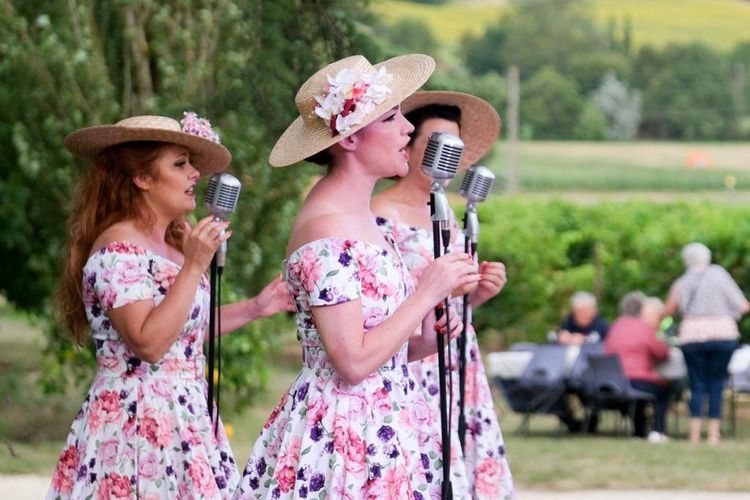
[[143, 430], [484, 449], [329, 439]]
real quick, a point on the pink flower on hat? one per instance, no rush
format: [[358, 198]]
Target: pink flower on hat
[[195, 125], [349, 97]]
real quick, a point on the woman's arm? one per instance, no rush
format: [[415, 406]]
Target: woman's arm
[[670, 306], [425, 344], [274, 298], [150, 330], [354, 353]]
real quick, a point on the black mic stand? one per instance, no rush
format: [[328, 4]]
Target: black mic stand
[[470, 247], [438, 205], [214, 336]]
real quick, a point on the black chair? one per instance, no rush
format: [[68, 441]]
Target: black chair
[[540, 388], [607, 388], [738, 383], [523, 346], [577, 375]]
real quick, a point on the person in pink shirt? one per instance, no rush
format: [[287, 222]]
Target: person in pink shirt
[[633, 338]]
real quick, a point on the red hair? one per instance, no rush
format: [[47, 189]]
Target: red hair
[[105, 195]]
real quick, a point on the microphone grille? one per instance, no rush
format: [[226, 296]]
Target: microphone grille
[[222, 194], [442, 155], [466, 184], [477, 183], [211, 190], [227, 197]]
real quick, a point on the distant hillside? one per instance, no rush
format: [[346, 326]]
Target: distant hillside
[[719, 23]]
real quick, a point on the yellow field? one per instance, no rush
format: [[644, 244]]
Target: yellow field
[[719, 23]]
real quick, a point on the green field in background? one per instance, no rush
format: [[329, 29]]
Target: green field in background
[[718, 23], [559, 166]]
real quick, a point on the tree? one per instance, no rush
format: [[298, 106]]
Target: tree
[[551, 105], [688, 95], [412, 35], [620, 106], [64, 65], [535, 33], [739, 61]]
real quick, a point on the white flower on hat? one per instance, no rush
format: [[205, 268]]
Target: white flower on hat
[[350, 96]]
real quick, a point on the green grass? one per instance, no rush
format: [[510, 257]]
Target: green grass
[[718, 23], [547, 458], [626, 167], [550, 458]]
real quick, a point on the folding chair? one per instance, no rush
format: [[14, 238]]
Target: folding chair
[[607, 387], [523, 346], [577, 375], [540, 387], [738, 383]]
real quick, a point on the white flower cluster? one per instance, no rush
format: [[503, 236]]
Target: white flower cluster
[[350, 96]]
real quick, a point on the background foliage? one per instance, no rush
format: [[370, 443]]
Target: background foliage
[[692, 87], [585, 75], [554, 248], [64, 65]]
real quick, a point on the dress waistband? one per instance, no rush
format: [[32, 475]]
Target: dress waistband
[[315, 358], [116, 366]]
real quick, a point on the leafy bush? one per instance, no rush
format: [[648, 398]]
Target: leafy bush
[[553, 248], [66, 65], [551, 104]]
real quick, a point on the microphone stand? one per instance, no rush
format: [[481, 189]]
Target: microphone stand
[[214, 334], [439, 214], [212, 339], [471, 227]]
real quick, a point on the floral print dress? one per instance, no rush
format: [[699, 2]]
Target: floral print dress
[[484, 449], [144, 429], [326, 438]]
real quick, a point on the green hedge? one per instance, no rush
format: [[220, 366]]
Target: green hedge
[[553, 248]]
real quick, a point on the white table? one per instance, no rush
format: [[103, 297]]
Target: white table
[[510, 364]]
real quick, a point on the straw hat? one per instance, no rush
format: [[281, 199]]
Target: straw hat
[[479, 124], [208, 156], [345, 96]]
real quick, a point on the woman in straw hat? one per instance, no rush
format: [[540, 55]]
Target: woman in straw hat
[[348, 425], [135, 278], [405, 215]]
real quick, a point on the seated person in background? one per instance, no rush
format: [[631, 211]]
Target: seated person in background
[[584, 323], [633, 338]]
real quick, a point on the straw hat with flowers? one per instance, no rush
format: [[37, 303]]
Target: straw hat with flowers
[[345, 96], [479, 124], [207, 155]]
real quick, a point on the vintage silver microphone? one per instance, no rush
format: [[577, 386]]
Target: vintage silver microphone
[[440, 161], [476, 186], [222, 194], [221, 200]]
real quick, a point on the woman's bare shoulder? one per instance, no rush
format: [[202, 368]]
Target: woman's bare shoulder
[[119, 231]]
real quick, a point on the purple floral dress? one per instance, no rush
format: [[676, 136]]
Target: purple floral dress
[[484, 450], [143, 430], [326, 438]]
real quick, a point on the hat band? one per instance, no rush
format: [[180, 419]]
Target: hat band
[[348, 98]]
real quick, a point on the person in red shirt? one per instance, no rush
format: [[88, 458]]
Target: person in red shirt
[[633, 338]]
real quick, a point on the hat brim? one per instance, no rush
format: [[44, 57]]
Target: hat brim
[[479, 125], [300, 140], [206, 156]]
